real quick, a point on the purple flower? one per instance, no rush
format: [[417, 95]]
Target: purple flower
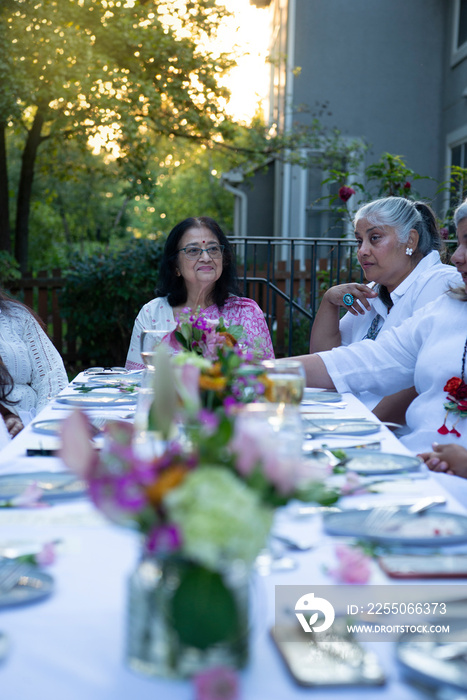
[[219, 683], [209, 421], [163, 539], [47, 554]]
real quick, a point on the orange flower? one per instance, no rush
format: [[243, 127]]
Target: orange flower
[[212, 383], [168, 480], [230, 341]]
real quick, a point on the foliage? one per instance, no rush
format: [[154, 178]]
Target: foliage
[[117, 70], [8, 267], [102, 295]]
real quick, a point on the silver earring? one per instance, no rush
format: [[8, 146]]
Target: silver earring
[[408, 251]]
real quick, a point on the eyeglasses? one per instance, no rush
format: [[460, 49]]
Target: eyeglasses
[[193, 252]]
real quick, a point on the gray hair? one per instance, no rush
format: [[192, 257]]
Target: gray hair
[[460, 213], [403, 215]]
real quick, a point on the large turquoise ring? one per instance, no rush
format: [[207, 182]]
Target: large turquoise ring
[[348, 299]]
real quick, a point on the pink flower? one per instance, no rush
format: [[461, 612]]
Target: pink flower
[[353, 565], [77, 450], [345, 193], [28, 498], [219, 683], [352, 483], [47, 554]]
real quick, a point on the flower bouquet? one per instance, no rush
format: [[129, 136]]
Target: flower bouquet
[[204, 507], [456, 403]]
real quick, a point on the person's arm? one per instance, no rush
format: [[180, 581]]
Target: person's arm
[[133, 359], [325, 332], [12, 421], [48, 371], [393, 408], [315, 371], [449, 459]]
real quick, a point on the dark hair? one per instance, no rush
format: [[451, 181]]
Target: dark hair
[[6, 384], [173, 287]]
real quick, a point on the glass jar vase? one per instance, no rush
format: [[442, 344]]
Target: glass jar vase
[[184, 618]]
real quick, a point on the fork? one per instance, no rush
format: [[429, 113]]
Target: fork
[[10, 574], [379, 517]]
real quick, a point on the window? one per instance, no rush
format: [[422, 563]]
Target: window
[[459, 35]]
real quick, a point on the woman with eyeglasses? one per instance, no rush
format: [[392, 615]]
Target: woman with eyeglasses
[[198, 270]]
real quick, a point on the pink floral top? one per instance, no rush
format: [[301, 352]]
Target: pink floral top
[[158, 314]]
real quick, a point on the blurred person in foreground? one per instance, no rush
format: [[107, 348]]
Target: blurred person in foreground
[[198, 271]]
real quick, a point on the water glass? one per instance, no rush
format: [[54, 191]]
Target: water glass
[[286, 381], [149, 342]]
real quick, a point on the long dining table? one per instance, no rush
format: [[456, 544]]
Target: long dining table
[[71, 644]]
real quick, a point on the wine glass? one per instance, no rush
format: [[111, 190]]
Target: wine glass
[[149, 342], [286, 381]]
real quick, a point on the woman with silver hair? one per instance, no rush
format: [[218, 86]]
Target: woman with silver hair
[[398, 249], [428, 351]]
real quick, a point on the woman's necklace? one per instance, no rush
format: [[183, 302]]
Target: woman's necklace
[[456, 400]]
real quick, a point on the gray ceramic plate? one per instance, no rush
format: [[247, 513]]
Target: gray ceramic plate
[[441, 663], [55, 485], [96, 400], [370, 462], [31, 587], [425, 529]]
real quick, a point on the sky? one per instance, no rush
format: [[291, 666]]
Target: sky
[[249, 81]]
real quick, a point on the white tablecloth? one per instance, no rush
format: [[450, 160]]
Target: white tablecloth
[[71, 645]]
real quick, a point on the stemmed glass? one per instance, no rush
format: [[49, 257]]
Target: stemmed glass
[[149, 342]]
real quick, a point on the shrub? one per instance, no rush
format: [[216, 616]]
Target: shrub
[[102, 296]]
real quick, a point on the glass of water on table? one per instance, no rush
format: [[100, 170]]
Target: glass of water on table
[[149, 342], [285, 381]]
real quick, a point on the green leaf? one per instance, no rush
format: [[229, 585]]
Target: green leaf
[[203, 610]]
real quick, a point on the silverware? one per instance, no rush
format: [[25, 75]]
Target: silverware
[[299, 545], [380, 517]]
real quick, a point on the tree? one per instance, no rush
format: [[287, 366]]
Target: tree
[[132, 69]]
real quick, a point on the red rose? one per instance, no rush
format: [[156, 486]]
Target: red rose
[[452, 384], [345, 193], [444, 233], [461, 391], [407, 186]]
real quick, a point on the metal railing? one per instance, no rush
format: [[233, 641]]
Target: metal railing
[[287, 277]]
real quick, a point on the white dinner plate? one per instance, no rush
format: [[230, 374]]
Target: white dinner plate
[[321, 396], [438, 663], [34, 585], [95, 399], [335, 426], [115, 380], [425, 529], [370, 462], [55, 485]]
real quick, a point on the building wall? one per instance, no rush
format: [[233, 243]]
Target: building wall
[[379, 66]]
